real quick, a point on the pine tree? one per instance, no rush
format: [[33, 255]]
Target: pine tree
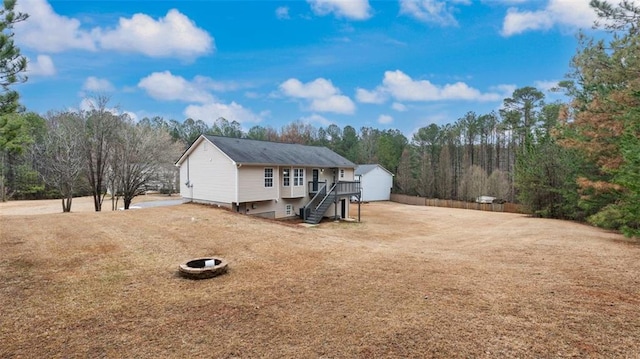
[[602, 121], [12, 63]]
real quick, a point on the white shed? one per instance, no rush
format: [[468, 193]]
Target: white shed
[[375, 181]]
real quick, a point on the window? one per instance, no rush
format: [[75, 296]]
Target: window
[[298, 176], [341, 173], [288, 210], [286, 177], [268, 177]]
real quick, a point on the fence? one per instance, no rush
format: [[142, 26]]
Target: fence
[[449, 203]]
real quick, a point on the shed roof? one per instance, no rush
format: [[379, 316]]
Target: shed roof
[[364, 169], [246, 151]]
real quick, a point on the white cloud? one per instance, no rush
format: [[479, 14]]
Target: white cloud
[[87, 104], [350, 9], [133, 116], [517, 22], [96, 84], [576, 13], [318, 88], [282, 12], [462, 91], [385, 119], [505, 90], [439, 12], [166, 86], [174, 35], [335, 103], [43, 66], [547, 86], [403, 88], [365, 96], [569, 13], [399, 107], [321, 95], [211, 111], [47, 31]]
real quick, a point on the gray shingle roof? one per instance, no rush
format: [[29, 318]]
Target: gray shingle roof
[[247, 151], [364, 169]]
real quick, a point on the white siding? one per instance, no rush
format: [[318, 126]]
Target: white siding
[[327, 174], [251, 184], [273, 209], [376, 185], [324, 174], [211, 175], [348, 175], [331, 211]]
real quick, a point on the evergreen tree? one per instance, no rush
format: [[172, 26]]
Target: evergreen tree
[[12, 63], [602, 121]]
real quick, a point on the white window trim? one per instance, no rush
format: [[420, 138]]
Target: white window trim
[[265, 177], [298, 179]]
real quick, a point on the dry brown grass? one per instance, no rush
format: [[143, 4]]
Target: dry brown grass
[[406, 282]]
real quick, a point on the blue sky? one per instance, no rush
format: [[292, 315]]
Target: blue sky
[[386, 64]]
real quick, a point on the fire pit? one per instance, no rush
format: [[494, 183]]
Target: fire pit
[[202, 268]]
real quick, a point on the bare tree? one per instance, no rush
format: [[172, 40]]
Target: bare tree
[[298, 132], [101, 128], [473, 183], [445, 173], [60, 154], [140, 152], [404, 180], [499, 185]]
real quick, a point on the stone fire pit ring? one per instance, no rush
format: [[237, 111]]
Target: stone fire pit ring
[[203, 268]]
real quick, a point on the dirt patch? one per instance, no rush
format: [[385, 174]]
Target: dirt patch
[[408, 281]]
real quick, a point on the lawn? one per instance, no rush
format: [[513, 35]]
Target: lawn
[[406, 282]]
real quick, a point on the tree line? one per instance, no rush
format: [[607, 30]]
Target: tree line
[[576, 160], [95, 152], [474, 156]]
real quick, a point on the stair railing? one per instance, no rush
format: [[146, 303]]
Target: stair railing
[[327, 196], [306, 210]]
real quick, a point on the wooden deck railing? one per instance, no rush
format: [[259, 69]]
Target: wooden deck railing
[[342, 188], [348, 188]]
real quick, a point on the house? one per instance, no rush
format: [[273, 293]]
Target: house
[[375, 182], [268, 179]]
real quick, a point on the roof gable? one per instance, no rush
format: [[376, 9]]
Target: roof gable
[[246, 151], [364, 169], [189, 149]]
